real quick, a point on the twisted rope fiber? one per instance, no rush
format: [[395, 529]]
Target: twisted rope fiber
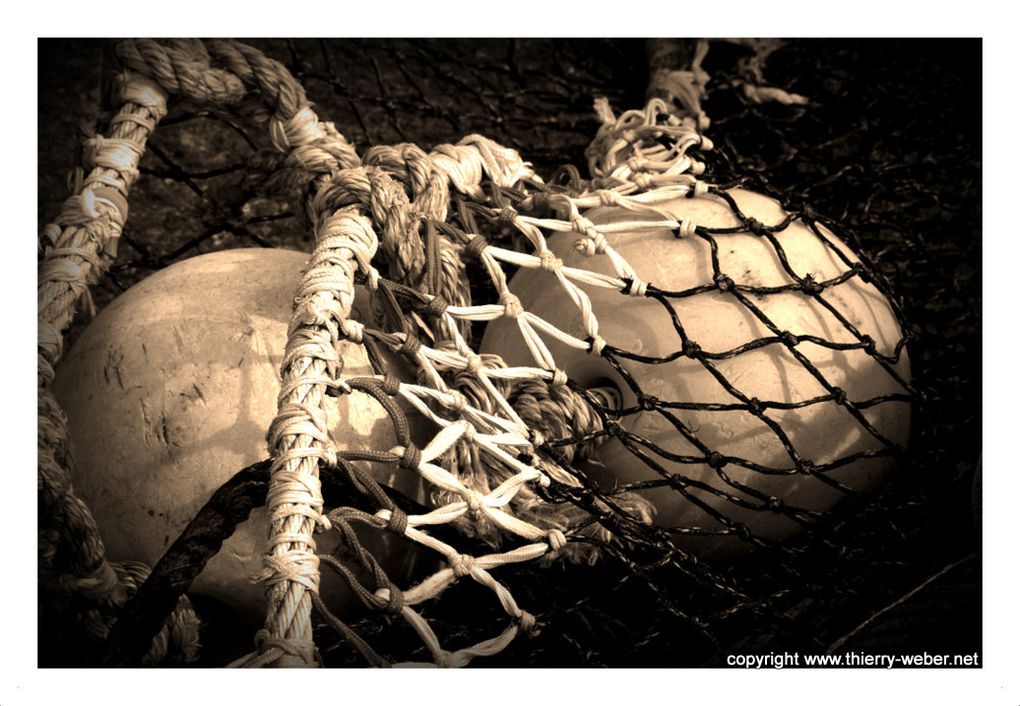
[[79, 246], [485, 464]]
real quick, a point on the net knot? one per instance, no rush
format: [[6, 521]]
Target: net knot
[[595, 245], [393, 597], [691, 349], [473, 363], [548, 261], [583, 225], [539, 201], [436, 307], [686, 229], [512, 307], [776, 505], [475, 246], [808, 285], [642, 180], [608, 197], [597, 344], [716, 460], [723, 282], [869, 344], [507, 216], [806, 467], [411, 457], [754, 406], [648, 402], [456, 400], [462, 564], [756, 226], [397, 524], [556, 539], [789, 338], [411, 345], [635, 287], [839, 395], [475, 501], [390, 384]]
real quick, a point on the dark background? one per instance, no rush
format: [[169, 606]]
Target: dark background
[[889, 146]]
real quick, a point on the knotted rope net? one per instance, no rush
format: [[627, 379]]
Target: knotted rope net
[[435, 237]]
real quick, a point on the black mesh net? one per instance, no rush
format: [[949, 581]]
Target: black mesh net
[[880, 148]]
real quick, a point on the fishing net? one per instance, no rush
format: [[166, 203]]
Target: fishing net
[[537, 560]]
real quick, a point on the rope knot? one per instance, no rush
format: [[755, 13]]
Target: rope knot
[[723, 282], [642, 180], [648, 402], [390, 384], [635, 287], [687, 229], [393, 597], [475, 247], [556, 539], [583, 225], [594, 245], [473, 364], [560, 377], [462, 564], [475, 501], [411, 345], [597, 344], [411, 457], [397, 523], [507, 217], [756, 226], [527, 623], [608, 197], [456, 400], [436, 307], [808, 285], [789, 338], [512, 307], [548, 261]]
